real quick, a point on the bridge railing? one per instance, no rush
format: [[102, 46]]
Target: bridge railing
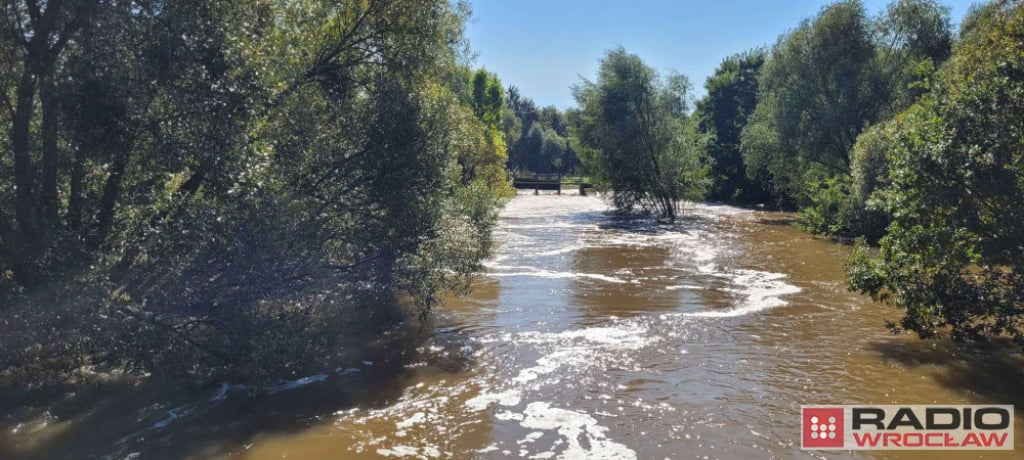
[[538, 181], [550, 177]]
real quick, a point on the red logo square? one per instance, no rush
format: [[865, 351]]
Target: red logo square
[[821, 427]]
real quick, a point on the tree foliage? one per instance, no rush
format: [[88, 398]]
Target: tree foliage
[[823, 84], [224, 183], [637, 136], [954, 254], [722, 114], [538, 137]]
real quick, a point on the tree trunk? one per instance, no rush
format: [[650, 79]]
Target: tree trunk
[[20, 146], [111, 195], [51, 154], [74, 215]]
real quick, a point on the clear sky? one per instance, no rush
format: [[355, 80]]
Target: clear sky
[[543, 47]]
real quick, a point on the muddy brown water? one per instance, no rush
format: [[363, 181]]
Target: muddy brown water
[[590, 336]]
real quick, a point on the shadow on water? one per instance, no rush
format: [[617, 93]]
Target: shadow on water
[[149, 419], [611, 220], [777, 221], [993, 371]]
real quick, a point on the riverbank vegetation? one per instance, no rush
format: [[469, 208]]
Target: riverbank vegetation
[[215, 189], [953, 255], [897, 130], [894, 129]]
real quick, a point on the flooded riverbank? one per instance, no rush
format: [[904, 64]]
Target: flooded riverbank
[[596, 336]]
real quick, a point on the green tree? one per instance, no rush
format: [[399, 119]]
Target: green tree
[[233, 179], [488, 97], [637, 137], [913, 37], [553, 151], [815, 97], [822, 85], [542, 144], [722, 114], [953, 257], [861, 212]]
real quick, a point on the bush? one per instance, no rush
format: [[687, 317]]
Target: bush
[[863, 213], [825, 212], [952, 257]]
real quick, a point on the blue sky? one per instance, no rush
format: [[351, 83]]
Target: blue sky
[[543, 47]]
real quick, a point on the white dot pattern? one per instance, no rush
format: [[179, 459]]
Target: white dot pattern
[[823, 430]]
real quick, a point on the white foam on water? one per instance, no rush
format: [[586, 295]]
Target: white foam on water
[[293, 384], [496, 266], [576, 357], [574, 352], [484, 400], [531, 438], [508, 415], [698, 248], [627, 335], [398, 451], [716, 210], [546, 365], [574, 428], [547, 225], [624, 238], [416, 418], [437, 406], [576, 349], [540, 273], [707, 268], [527, 206], [619, 335], [759, 291], [689, 287]]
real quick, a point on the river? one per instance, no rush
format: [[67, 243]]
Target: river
[[597, 336]]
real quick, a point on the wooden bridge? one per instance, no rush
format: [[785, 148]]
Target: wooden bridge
[[554, 182]]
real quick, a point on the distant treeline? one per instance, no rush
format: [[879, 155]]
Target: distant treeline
[[538, 138], [892, 128]]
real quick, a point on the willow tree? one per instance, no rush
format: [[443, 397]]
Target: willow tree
[[827, 80], [636, 137], [722, 114], [815, 96], [233, 179], [954, 254]]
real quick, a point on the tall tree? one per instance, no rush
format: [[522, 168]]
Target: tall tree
[[815, 97], [638, 138], [954, 254], [231, 178], [828, 80], [541, 145], [722, 114]]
